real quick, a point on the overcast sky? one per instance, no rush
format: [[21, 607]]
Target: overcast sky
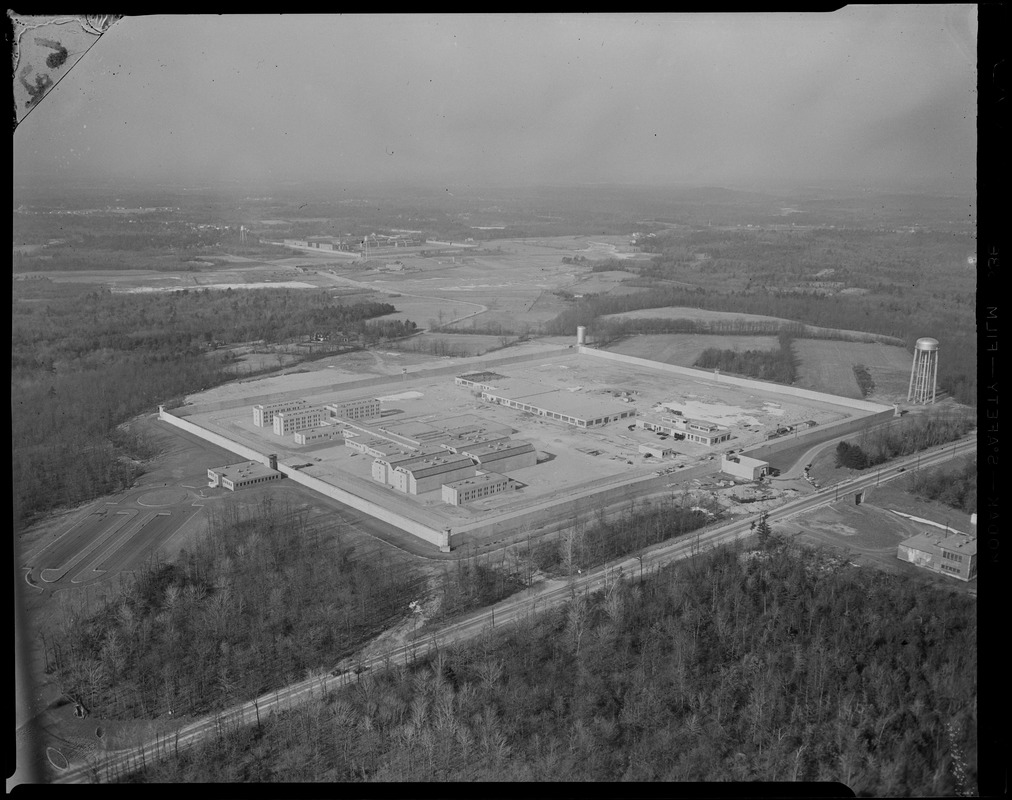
[[868, 94]]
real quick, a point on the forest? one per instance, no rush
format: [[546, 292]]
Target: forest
[[902, 437], [262, 597], [84, 361], [783, 664], [266, 596]]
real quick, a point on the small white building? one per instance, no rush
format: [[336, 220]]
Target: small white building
[[656, 450], [751, 469], [239, 476], [317, 435]]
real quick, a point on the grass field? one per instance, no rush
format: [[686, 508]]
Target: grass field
[[455, 345], [683, 349], [828, 366]]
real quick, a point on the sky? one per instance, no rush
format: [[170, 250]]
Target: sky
[[880, 94]]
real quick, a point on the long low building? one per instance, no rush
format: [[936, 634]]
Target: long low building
[[470, 489], [947, 552], [316, 435], [502, 456], [239, 476], [573, 408], [691, 430]]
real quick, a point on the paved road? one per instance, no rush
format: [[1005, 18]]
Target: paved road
[[548, 595]]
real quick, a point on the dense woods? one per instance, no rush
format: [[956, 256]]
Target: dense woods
[[778, 665], [85, 361], [263, 597], [903, 437]]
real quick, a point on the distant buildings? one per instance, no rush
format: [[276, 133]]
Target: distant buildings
[[948, 552]]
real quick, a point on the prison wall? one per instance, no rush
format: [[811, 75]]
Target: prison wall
[[435, 536]]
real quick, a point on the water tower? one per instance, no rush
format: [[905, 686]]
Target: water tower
[[924, 371]]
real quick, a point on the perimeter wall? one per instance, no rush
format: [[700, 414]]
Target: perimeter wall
[[440, 538]]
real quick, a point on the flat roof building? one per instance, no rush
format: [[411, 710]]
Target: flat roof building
[[470, 489], [751, 469], [317, 435], [580, 410], [239, 476], [947, 552]]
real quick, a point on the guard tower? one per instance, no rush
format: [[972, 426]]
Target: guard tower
[[924, 372]]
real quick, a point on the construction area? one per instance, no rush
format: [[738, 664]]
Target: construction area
[[487, 446]]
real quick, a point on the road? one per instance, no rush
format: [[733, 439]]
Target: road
[[531, 601]]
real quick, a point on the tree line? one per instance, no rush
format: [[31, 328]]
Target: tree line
[[903, 437], [779, 365], [779, 665], [879, 313]]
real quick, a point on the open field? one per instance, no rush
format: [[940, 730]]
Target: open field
[[508, 282], [828, 366], [455, 345], [871, 532], [684, 349], [571, 459]]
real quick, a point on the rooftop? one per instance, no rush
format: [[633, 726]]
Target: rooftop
[[247, 469], [940, 539], [434, 465], [478, 480], [500, 449]]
